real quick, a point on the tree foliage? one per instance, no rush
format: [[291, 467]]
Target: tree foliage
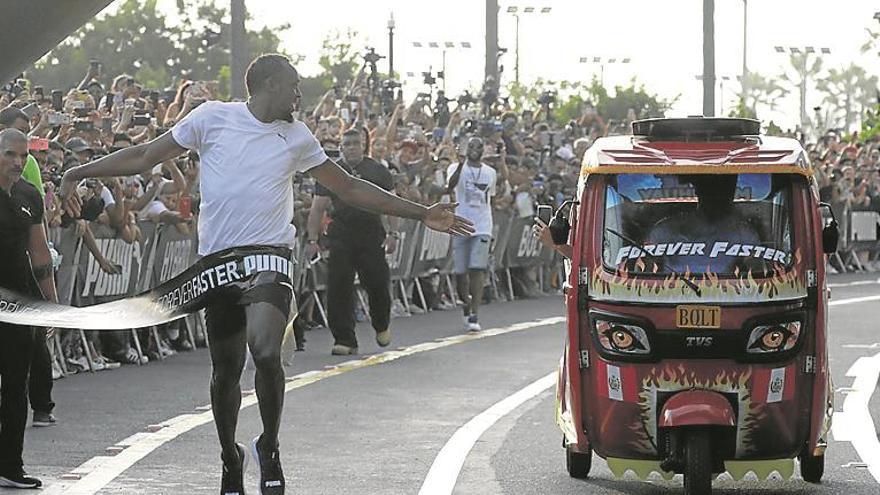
[[848, 92], [760, 92], [573, 96], [140, 40]]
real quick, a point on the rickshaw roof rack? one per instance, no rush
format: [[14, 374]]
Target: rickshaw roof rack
[[697, 129]]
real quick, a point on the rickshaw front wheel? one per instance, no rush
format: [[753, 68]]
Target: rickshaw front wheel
[[812, 466], [578, 463], [698, 462]]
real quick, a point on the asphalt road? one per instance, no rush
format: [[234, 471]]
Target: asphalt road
[[375, 425]]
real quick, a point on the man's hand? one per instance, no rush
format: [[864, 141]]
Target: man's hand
[[70, 197], [442, 218], [312, 248]]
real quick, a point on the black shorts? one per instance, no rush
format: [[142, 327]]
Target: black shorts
[[224, 313]]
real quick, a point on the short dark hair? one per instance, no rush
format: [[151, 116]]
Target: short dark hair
[[10, 114], [264, 67], [353, 132]]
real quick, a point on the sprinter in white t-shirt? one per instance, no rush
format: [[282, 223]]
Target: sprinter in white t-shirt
[[249, 155], [473, 184]]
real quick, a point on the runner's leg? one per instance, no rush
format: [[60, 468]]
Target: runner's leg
[[265, 330], [228, 344]]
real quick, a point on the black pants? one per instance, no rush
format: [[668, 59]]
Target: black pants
[[40, 382], [368, 261], [16, 350]]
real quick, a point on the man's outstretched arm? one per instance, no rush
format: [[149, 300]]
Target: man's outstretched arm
[[125, 162], [368, 196]]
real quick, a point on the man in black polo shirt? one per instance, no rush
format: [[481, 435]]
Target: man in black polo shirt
[[27, 269], [357, 244]]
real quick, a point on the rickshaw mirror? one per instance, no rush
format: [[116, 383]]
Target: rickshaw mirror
[[560, 226], [830, 233], [559, 229]]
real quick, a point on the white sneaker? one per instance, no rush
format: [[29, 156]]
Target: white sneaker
[[472, 324]]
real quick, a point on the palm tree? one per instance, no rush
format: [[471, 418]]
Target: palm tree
[[796, 78], [848, 91], [759, 91]]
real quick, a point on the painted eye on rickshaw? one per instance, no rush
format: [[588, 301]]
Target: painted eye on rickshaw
[[774, 338], [619, 337]]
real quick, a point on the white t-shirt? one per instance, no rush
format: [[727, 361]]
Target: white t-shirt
[[475, 187], [246, 174]]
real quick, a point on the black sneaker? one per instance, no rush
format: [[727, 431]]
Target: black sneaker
[[271, 476], [19, 480], [43, 419], [232, 482]]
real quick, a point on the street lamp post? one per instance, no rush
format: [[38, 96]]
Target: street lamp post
[[601, 61], [720, 79], [515, 11], [807, 51], [391, 46]]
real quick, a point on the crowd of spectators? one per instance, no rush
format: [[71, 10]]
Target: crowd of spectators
[[536, 157], [848, 175]]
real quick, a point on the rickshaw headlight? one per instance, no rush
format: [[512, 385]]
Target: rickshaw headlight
[[619, 337], [777, 337]]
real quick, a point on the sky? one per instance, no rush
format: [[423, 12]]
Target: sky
[[663, 39]]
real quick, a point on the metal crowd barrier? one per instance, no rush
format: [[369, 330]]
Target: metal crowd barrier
[[164, 252]]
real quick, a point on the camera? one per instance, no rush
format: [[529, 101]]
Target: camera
[[371, 57], [466, 99], [429, 79], [547, 98]]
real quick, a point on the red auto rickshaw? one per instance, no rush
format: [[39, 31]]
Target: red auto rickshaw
[[697, 307]]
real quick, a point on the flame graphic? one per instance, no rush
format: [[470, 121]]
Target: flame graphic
[[675, 377]]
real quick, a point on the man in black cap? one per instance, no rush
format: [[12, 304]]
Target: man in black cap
[[78, 146]]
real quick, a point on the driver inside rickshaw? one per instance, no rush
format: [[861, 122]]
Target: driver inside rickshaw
[[714, 218]]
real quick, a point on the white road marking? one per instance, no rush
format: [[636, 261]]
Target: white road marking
[[854, 424], [447, 465], [854, 283], [853, 300], [99, 471]]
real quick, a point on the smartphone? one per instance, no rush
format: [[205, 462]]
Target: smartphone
[[31, 110], [185, 207], [84, 125], [154, 98], [38, 93], [140, 120], [545, 213], [95, 64], [108, 102], [58, 118], [38, 144], [107, 125], [57, 97], [499, 146]]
